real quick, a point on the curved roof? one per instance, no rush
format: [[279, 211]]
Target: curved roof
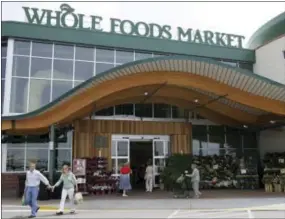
[[268, 32], [241, 89], [120, 41]]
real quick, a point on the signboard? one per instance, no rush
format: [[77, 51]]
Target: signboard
[[79, 167], [67, 18], [101, 141]]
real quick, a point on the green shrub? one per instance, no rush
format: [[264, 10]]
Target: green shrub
[[176, 164]]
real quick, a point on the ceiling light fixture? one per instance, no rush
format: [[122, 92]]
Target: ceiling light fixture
[[145, 93], [196, 100], [272, 121], [245, 126]]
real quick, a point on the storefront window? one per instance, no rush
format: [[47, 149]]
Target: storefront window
[[19, 95], [64, 139], [63, 69], [40, 156], [216, 139], [60, 87], [162, 111], [39, 94], [62, 156], [124, 56], [84, 53], [178, 113], [83, 70], [20, 150], [124, 109], [63, 51], [105, 112], [195, 147], [143, 110], [105, 55], [22, 47], [158, 148], [102, 67], [42, 49], [41, 68], [122, 147], [199, 135], [15, 159], [21, 66]]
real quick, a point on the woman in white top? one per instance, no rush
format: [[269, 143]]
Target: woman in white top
[[149, 177]]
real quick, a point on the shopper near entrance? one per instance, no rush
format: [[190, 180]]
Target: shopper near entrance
[[125, 183], [69, 182], [195, 179], [33, 179], [149, 177]]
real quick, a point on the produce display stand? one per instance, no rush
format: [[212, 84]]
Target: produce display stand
[[99, 181], [274, 172]]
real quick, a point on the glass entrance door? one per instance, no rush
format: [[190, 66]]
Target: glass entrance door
[[120, 154], [160, 153]]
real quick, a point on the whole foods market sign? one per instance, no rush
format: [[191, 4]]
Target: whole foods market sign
[[67, 18]]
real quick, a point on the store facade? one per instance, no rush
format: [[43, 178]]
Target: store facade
[[73, 91]]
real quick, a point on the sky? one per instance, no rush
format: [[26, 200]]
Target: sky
[[241, 18]]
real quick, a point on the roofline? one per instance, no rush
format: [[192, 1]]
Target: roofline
[[270, 41], [105, 39], [268, 31], [110, 71]]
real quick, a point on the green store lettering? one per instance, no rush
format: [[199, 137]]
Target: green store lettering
[[67, 18]]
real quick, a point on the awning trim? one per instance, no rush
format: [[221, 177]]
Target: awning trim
[[164, 64]]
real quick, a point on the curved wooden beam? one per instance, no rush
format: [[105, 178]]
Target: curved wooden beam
[[98, 91], [169, 92]]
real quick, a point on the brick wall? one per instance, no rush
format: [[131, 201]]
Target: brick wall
[[10, 184]]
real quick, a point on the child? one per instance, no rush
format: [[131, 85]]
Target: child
[[69, 182]]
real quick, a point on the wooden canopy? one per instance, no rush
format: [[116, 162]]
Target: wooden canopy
[[222, 93]]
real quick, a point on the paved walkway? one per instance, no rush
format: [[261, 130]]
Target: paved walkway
[[157, 206]]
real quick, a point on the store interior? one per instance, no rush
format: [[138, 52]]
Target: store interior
[[140, 153]]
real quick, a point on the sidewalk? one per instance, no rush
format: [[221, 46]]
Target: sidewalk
[[162, 200]]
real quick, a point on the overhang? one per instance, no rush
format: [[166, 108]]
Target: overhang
[[231, 94]]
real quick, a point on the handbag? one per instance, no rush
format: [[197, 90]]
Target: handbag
[[78, 198]]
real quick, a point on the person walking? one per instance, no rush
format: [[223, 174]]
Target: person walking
[[125, 184], [69, 182], [33, 179], [149, 177], [195, 179]]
